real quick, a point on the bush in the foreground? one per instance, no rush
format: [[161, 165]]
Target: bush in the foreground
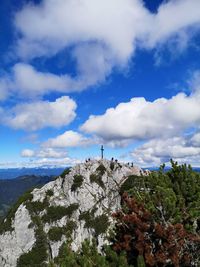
[[159, 244], [88, 256], [172, 196]]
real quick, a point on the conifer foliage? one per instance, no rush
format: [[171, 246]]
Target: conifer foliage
[[157, 243]]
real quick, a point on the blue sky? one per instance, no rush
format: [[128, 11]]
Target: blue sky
[[78, 74]]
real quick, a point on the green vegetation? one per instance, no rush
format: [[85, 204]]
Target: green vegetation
[[55, 213], [158, 224], [94, 178], [88, 256], [100, 223], [101, 169], [172, 196], [49, 193], [65, 172], [78, 181], [70, 227], [97, 178], [55, 233], [36, 206]]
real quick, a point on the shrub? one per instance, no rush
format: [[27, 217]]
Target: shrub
[[65, 172], [131, 182], [55, 213], [101, 169], [172, 196], [78, 181], [99, 224], [97, 179], [36, 206], [88, 256], [159, 244], [49, 193], [71, 226], [55, 233]]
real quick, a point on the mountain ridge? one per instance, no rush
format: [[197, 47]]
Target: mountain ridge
[[77, 206]]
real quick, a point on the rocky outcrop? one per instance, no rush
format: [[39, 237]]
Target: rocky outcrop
[[74, 207], [19, 241]]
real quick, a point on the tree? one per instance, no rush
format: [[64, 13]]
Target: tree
[[158, 243]]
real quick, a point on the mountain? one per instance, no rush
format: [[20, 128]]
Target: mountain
[[77, 206], [12, 189], [145, 218], [12, 173]]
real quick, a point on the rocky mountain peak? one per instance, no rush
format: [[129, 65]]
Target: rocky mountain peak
[[76, 206]]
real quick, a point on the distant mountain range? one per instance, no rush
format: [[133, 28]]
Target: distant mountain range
[[196, 169], [16, 172], [12, 188]]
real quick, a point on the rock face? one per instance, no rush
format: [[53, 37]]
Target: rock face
[[74, 207], [19, 241]]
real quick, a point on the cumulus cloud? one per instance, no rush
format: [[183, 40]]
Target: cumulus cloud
[[140, 119], [67, 139], [171, 19], [44, 153], [97, 45], [63, 23], [55, 148], [97, 67], [182, 149], [40, 114], [195, 140], [27, 153]]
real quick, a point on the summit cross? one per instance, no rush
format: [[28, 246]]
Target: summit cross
[[102, 150]]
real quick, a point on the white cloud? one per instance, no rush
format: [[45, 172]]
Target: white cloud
[[40, 114], [98, 66], [67, 139], [195, 140], [27, 153], [44, 153], [140, 119], [75, 139], [53, 25], [172, 18], [101, 34], [55, 148], [44, 162], [157, 151]]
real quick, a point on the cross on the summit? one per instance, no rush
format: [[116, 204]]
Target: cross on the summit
[[102, 150]]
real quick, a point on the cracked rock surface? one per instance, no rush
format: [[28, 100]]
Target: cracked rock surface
[[95, 195]]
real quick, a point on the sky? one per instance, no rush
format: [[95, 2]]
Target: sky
[[78, 74]]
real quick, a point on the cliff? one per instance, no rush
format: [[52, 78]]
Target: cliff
[[74, 207]]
